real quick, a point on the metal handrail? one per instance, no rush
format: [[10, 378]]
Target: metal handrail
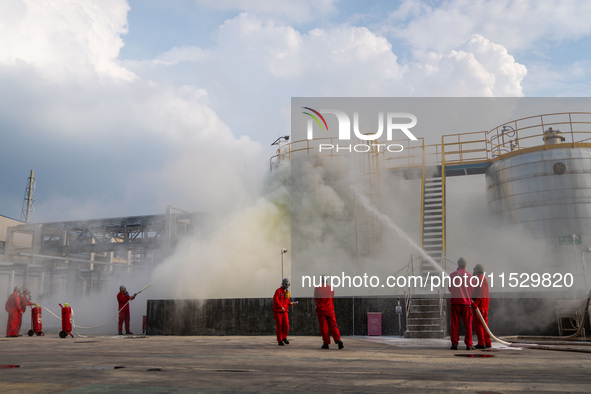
[[472, 147], [408, 290], [522, 133]]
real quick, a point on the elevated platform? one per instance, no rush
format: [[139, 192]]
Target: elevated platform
[[477, 168], [466, 168]]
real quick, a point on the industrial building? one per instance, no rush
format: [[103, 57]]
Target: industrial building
[[78, 257]]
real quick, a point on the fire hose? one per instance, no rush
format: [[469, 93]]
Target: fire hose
[[98, 325], [538, 346], [565, 338]]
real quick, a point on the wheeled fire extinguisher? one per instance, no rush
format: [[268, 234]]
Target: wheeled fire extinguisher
[[66, 321], [36, 326]]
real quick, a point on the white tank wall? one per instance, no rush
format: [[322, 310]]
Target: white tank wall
[[526, 189]]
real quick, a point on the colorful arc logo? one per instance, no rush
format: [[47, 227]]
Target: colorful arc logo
[[315, 118]]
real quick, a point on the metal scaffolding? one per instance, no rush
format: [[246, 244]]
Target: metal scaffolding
[[80, 255]]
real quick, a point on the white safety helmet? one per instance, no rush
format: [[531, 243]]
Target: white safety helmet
[[462, 263], [479, 269], [122, 289], [285, 283]]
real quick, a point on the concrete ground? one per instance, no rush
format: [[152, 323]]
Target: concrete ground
[[159, 364]]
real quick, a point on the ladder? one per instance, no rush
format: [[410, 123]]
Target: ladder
[[433, 220], [425, 319]]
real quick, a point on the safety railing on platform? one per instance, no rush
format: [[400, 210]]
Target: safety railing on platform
[[534, 132], [287, 150], [464, 148], [540, 132]]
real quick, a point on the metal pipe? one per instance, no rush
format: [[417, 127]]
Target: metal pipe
[[63, 258]]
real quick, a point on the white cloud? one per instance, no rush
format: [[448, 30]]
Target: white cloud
[[64, 37], [258, 64], [514, 24], [565, 81], [203, 99], [296, 11], [334, 61], [109, 143], [476, 68], [183, 54]]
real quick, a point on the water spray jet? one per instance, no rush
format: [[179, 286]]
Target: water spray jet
[[388, 222]]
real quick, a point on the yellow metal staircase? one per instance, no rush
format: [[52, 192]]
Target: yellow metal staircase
[[433, 220]]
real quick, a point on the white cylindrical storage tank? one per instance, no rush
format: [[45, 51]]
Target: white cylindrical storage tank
[[547, 190]]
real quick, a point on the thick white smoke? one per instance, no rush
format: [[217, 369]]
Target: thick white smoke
[[239, 254]]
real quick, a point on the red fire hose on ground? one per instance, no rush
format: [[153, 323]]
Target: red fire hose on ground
[[68, 318]]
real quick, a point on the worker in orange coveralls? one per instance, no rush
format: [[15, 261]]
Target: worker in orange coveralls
[[13, 307], [480, 301], [123, 297], [327, 321], [460, 302], [281, 305], [24, 304]]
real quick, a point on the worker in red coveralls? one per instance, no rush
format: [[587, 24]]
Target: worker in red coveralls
[[281, 305], [460, 302], [24, 304], [123, 297], [480, 301], [323, 296], [13, 307]]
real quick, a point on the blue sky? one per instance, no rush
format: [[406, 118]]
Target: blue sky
[[124, 107]]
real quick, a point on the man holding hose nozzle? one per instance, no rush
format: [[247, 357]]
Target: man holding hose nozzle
[[460, 302], [24, 304], [123, 298], [323, 295], [480, 301]]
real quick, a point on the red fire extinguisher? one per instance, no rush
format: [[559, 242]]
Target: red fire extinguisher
[[66, 321], [36, 325]]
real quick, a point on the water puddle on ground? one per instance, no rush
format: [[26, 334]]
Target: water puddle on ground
[[103, 367], [474, 355]]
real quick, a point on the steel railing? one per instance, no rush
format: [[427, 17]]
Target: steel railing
[[468, 148]]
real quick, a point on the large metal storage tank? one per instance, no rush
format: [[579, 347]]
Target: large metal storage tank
[[545, 187]]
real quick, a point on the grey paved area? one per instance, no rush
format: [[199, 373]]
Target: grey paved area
[[119, 364]]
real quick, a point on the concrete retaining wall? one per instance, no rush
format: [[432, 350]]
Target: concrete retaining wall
[[254, 316]]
